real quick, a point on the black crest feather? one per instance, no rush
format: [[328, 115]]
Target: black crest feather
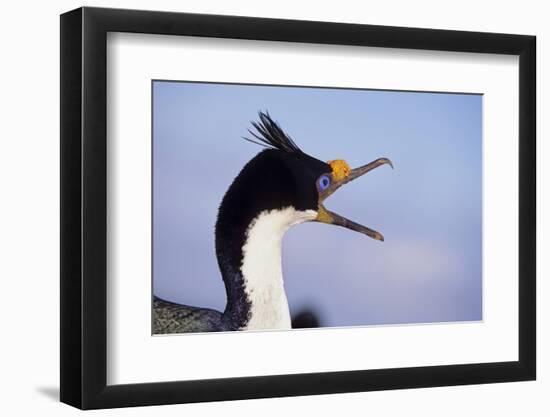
[[270, 135]]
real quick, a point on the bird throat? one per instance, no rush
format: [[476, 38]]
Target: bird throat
[[261, 268]]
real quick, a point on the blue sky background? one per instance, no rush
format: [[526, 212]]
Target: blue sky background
[[429, 269]]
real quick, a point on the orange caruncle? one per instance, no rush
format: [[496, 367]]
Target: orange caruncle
[[340, 169]]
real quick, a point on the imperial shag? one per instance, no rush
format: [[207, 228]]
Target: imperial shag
[[280, 187]]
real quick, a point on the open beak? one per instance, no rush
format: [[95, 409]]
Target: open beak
[[326, 216]]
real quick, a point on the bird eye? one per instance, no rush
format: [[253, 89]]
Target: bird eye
[[324, 182]]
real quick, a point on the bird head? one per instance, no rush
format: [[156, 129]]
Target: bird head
[[283, 176]]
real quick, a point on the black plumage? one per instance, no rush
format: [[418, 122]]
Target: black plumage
[[270, 135]]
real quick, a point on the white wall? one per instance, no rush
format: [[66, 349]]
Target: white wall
[[29, 176]]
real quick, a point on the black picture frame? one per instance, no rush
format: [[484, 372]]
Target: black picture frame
[[84, 207]]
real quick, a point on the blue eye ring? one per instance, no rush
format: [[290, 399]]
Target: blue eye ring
[[324, 182]]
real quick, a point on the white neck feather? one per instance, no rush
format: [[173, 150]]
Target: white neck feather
[[262, 267]]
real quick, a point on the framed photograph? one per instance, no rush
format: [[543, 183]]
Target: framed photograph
[[256, 208]]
